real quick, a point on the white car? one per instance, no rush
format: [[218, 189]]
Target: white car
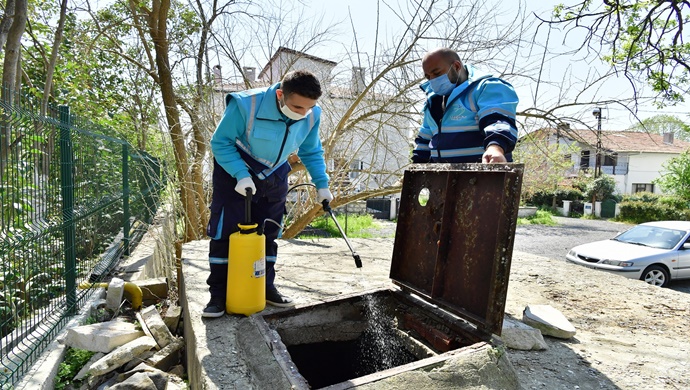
[[656, 252]]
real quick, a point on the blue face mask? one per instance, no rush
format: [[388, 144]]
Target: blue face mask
[[441, 85]]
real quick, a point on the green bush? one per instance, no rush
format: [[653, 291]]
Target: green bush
[[545, 197], [674, 202], [647, 197], [641, 211]]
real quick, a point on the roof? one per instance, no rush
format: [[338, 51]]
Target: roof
[[283, 49], [619, 141]]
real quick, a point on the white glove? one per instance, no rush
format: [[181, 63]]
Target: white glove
[[324, 194], [243, 184]]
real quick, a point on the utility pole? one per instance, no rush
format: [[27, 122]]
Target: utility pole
[[597, 164]]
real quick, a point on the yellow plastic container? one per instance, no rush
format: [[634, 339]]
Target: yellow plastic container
[[246, 290]]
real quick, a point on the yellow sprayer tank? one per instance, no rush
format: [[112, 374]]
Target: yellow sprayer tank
[[246, 290]]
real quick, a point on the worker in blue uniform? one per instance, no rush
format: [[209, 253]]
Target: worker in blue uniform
[[251, 144], [469, 117]]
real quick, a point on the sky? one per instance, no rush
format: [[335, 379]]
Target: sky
[[573, 67]]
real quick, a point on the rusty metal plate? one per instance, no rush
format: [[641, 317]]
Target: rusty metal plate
[[456, 249]]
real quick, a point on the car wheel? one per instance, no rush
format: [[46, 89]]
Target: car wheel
[[655, 275]]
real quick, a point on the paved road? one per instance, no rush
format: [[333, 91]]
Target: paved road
[[555, 241]]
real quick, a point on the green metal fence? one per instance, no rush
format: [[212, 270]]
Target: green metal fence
[[73, 200]]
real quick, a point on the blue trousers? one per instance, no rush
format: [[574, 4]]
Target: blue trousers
[[228, 210]]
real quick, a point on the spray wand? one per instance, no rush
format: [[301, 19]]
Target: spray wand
[[327, 208]]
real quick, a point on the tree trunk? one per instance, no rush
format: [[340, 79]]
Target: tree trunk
[[47, 90], [6, 23], [158, 30], [9, 72]]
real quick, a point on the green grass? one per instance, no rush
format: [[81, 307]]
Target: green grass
[[542, 217], [75, 359], [357, 226]]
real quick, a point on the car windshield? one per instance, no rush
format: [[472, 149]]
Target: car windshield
[[652, 236]]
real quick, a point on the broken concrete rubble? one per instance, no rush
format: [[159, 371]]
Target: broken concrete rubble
[[153, 325], [549, 321], [121, 355], [518, 335], [153, 290], [102, 337]]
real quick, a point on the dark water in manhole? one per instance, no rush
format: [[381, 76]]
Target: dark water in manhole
[[378, 348]]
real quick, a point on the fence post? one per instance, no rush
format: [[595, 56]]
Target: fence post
[[125, 197], [68, 227]]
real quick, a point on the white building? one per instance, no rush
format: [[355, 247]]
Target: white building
[[633, 159]]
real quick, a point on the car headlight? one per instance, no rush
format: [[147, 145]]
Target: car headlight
[[618, 263], [571, 253]]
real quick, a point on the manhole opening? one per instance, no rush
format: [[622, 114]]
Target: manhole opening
[[343, 340]]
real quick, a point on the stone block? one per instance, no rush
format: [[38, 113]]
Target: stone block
[[172, 318], [121, 355], [518, 335], [167, 357], [84, 370], [153, 290], [116, 290], [548, 320], [153, 324], [103, 336]]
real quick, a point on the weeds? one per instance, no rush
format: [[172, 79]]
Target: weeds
[[542, 217]]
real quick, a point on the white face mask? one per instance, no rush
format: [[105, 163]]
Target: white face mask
[[295, 116]]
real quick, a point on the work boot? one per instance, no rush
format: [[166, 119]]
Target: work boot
[[214, 309], [274, 298]]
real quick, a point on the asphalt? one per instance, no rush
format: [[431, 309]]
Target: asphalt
[[554, 242]]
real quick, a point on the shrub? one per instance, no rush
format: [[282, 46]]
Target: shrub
[[640, 211], [648, 197]]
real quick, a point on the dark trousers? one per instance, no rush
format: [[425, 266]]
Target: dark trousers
[[228, 210]]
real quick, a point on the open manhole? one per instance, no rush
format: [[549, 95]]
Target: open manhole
[[363, 337], [451, 263]]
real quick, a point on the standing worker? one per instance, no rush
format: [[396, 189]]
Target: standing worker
[[259, 130], [468, 117]]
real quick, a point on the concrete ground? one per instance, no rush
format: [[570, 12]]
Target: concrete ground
[[228, 352]]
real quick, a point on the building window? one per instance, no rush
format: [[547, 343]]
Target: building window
[[356, 166], [611, 160], [584, 160], [642, 187]]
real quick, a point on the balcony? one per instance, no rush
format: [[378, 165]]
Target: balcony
[[620, 169]]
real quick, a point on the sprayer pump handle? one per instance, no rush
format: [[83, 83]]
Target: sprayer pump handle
[[248, 206], [326, 206]]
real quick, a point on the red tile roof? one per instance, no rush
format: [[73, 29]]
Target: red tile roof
[[620, 141]]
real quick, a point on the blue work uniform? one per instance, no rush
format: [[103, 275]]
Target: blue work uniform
[[457, 128], [254, 139]]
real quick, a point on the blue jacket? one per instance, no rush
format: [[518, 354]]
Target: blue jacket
[[478, 113], [252, 130]]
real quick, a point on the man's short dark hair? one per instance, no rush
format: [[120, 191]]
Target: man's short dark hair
[[301, 82]]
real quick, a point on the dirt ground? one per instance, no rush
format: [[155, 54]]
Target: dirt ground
[[630, 335]]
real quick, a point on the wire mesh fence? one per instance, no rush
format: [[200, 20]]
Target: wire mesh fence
[[72, 202]]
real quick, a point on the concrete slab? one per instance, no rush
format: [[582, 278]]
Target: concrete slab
[[103, 336]]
